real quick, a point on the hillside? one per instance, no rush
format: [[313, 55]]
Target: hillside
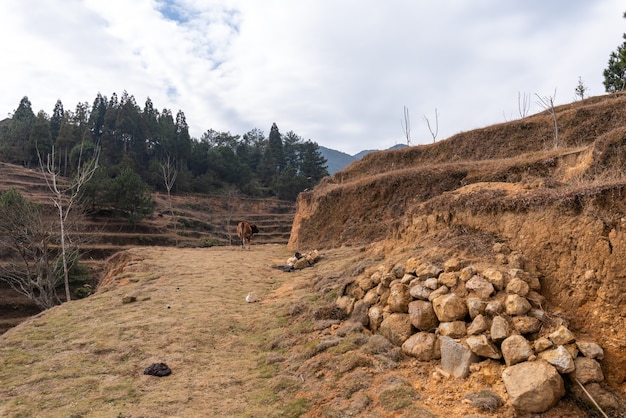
[[561, 208], [509, 225]]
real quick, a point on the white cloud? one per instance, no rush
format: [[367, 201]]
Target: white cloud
[[338, 73]]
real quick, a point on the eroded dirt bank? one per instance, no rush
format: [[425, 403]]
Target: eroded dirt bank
[[561, 207], [581, 262]]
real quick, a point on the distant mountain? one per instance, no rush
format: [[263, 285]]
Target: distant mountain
[[338, 160]]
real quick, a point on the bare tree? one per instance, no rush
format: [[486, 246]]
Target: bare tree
[[232, 194], [436, 131], [169, 178], [523, 104], [25, 241], [547, 103], [65, 194], [406, 126]]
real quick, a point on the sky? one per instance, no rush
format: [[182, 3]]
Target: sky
[[340, 73]]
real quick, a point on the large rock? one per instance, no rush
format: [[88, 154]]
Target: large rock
[[448, 279], [454, 329], [481, 346], [587, 371], [449, 308], [396, 328], [423, 346], [399, 298], [455, 358], [562, 336], [371, 297], [452, 264], [515, 349], [475, 307], [495, 277], [360, 313], [432, 283], [494, 307], [533, 386], [346, 303], [407, 278], [516, 305], [607, 401], [499, 329], [375, 315], [542, 344], [466, 273], [419, 291], [441, 290], [479, 324], [536, 300], [422, 315], [526, 324], [301, 263], [560, 358], [590, 349], [480, 287], [368, 282], [518, 287], [421, 269]]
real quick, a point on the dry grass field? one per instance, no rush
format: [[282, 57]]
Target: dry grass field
[[86, 357]]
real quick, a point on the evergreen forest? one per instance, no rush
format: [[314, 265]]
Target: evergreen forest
[[142, 150]]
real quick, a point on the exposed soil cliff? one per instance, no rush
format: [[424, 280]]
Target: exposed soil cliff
[[560, 204]]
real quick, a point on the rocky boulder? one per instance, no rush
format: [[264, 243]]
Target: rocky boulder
[[396, 328], [560, 358], [422, 315], [516, 349], [423, 346], [455, 358], [481, 346], [399, 298], [449, 308], [533, 386]]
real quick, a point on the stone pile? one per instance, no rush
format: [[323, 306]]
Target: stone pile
[[461, 315], [301, 261]]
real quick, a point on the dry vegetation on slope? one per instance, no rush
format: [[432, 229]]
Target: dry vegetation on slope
[[564, 208]]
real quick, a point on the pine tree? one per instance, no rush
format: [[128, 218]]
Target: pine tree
[[273, 161], [40, 141], [615, 73], [56, 119], [21, 127], [96, 117]]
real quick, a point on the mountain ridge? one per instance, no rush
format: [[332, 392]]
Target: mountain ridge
[[338, 160]]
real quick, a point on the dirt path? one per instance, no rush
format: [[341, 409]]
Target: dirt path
[[86, 358]]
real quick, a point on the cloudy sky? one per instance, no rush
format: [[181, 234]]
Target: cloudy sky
[[337, 72]]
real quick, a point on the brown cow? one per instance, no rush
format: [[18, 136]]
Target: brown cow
[[245, 231]]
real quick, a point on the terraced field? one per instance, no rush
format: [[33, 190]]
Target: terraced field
[[192, 221]]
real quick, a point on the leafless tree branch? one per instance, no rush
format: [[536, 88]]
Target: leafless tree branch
[[436, 131]]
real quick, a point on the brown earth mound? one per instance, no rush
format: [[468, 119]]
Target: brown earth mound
[[563, 207]]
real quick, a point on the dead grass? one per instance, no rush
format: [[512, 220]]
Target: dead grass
[[87, 356]]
